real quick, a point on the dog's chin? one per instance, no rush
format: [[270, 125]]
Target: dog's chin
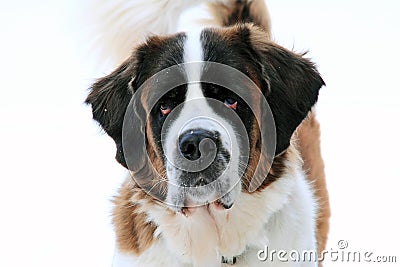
[[188, 200]]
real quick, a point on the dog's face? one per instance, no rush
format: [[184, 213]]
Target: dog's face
[[204, 139]]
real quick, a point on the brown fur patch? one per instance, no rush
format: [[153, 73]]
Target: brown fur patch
[[278, 165], [277, 169], [253, 11], [159, 185], [308, 135], [258, 38], [134, 234]]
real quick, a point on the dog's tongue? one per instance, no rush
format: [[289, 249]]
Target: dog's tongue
[[218, 205], [186, 211]]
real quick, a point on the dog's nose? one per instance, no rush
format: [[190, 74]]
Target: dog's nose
[[194, 143]]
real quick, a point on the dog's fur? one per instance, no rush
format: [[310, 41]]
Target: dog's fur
[[289, 211]]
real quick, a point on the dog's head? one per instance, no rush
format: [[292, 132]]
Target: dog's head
[[202, 128]]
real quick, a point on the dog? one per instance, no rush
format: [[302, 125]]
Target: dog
[[217, 130]]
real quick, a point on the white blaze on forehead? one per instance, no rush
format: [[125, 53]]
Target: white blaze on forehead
[[193, 52]]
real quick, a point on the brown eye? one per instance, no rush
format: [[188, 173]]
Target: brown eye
[[230, 103], [165, 108]]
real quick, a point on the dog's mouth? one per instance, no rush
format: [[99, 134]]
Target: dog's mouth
[[216, 205], [217, 196], [211, 187]]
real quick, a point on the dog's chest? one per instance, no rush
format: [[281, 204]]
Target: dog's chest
[[256, 220], [282, 218], [207, 234]]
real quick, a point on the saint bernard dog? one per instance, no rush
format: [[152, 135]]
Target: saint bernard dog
[[195, 115]]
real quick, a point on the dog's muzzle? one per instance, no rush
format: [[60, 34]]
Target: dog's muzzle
[[201, 164]]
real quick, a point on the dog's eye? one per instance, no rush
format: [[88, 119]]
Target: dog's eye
[[165, 108], [231, 103]]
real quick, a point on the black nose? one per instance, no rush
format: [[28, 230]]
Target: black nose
[[189, 143]]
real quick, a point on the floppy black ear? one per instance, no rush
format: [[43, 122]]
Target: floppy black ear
[[291, 85], [109, 98]]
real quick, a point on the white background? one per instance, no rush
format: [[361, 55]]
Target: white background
[[57, 170]]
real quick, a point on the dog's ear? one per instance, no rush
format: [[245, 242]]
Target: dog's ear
[[109, 98], [290, 84]]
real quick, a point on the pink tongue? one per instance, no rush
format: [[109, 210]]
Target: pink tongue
[[186, 212], [218, 205]]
